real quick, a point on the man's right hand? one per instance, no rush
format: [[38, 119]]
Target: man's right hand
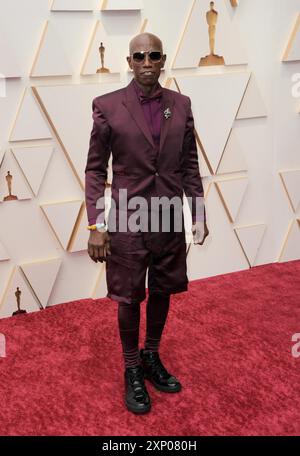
[[99, 246], [200, 232]]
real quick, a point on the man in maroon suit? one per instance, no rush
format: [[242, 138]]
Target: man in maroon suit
[[150, 132]]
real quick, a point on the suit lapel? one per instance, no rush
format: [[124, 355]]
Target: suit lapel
[[134, 107]]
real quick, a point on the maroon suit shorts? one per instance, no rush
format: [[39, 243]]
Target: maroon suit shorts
[[132, 253]]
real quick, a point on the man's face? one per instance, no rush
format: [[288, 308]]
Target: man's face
[[147, 71]]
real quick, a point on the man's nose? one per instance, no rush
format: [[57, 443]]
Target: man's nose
[[147, 61]]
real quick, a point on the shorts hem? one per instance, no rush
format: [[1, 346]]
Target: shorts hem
[[118, 298], [169, 290]]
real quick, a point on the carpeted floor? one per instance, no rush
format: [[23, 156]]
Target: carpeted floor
[[228, 340]]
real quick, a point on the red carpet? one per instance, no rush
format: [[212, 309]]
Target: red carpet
[[228, 339]]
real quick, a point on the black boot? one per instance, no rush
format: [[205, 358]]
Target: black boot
[[137, 398], [155, 371]]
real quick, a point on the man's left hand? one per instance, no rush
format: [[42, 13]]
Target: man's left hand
[[200, 232]]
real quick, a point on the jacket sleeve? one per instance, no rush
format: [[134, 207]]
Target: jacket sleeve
[[96, 166], [192, 182]]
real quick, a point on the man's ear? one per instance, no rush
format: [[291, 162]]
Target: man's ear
[[164, 60], [129, 62]]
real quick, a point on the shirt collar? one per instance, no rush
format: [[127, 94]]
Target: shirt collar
[[157, 94]]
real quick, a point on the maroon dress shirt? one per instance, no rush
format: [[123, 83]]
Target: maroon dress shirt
[[152, 110]]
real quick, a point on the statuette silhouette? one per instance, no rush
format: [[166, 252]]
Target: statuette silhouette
[[9, 197], [18, 297], [212, 58], [102, 52]]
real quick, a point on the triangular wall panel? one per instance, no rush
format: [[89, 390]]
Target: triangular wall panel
[[251, 237], [2, 153], [72, 5], [3, 253], [8, 303], [195, 40], [221, 243], [231, 192], [291, 183], [80, 235], [291, 246], [51, 58], [292, 51], [34, 162], [252, 105], [19, 186], [233, 159], [62, 218], [215, 101], [66, 118], [42, 275], [92, 60], [111, 5], [171, 84], [29, 123]]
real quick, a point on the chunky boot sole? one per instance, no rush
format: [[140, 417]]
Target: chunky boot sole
[[138, 410], [165, 389]]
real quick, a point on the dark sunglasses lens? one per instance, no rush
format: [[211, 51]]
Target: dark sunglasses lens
[[155, 56], [138, 56]]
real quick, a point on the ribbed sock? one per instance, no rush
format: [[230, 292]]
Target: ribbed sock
[[129, 322], [156, 313]]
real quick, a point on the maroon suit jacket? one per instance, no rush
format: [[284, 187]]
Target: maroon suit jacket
[[120, 128]]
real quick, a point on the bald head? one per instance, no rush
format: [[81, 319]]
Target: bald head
[[146, 59], [145, 39]]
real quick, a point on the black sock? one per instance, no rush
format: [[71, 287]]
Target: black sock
[[156, 311], [129, 322]]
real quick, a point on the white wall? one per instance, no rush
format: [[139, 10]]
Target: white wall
[[270, 143]]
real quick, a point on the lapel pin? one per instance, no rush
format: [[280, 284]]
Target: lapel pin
[[167, 113]]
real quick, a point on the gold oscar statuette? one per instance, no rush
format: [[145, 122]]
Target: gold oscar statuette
[[9, 197], [212, 58], [102, 52], [18, 297]]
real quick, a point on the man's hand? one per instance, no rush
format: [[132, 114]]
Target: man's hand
[[99, 246], [200, 232]]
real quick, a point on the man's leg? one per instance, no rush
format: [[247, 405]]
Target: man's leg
[[156, 314], [137, 398], [129, 322], [154, 370], [125, 275], [166, 275]]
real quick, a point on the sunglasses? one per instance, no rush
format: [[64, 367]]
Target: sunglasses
[[154, 56]]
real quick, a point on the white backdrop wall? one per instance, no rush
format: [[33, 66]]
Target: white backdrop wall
[[252, 181]]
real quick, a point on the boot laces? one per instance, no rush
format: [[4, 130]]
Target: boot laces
[[137, 381], [136, 375], [157, 365]]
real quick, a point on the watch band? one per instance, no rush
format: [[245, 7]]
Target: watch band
[[97, 226]]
